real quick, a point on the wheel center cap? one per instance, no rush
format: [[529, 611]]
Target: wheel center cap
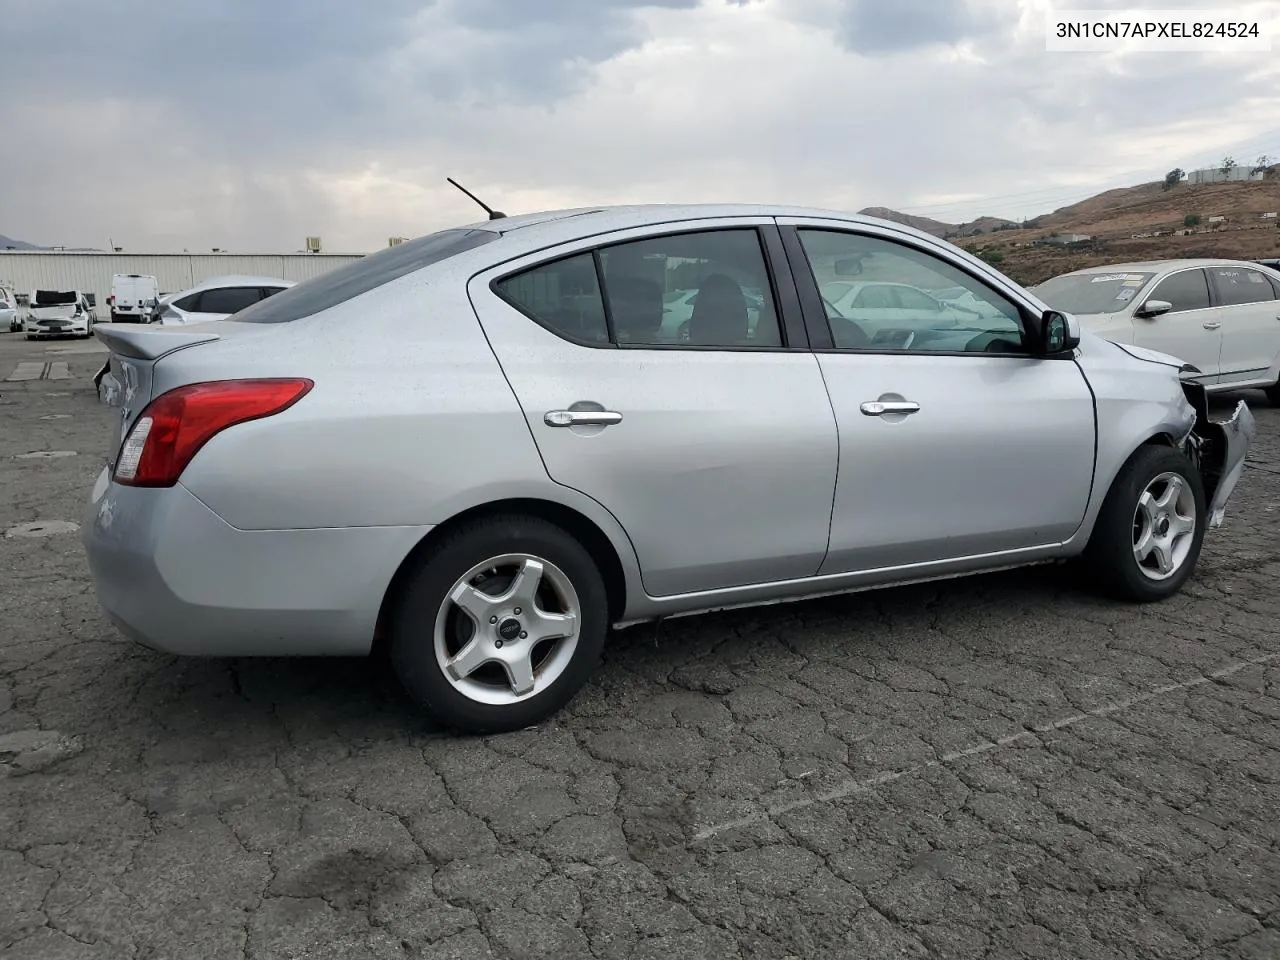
[[509, 629], [1162, 525]]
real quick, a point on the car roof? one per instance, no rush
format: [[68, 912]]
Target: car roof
[[232, 280], [585, 221], [1161, 266], [240, 279]]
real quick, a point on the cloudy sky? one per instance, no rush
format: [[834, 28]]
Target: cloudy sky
[[249, 124]]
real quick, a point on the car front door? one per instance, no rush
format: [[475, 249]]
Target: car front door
[[1191, 331], [716, 449], [1250, 317], [955, 442]]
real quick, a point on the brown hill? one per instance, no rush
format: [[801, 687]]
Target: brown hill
[[937, 227], [1143, 222]]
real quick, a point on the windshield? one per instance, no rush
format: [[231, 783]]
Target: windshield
[[1092, 292], [54, 298]]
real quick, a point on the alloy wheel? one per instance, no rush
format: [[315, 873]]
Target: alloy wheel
[[507, 629]]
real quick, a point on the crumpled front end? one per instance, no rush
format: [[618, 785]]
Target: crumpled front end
[[1218, 449]]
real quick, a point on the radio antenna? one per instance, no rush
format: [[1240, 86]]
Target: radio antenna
[[493, 214]]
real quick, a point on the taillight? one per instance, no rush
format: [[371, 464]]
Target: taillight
[[175, 425]]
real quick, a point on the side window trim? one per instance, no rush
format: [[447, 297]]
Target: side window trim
[[795, 335], [791, 323], [610, 330], [815, 313]]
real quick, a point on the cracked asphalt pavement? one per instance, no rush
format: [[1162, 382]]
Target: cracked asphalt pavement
[[999, 767]]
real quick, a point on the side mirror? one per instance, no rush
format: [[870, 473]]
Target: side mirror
[[1059, 333], [848, 267], [1154, 308]]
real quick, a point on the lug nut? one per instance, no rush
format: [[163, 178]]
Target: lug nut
[[493, 619], [517, 611], [498, 644], [523, 635]]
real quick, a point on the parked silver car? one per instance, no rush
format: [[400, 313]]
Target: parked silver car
[[482, 447]]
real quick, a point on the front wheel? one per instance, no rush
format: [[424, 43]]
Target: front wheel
[[501, 625], [1149, 532]]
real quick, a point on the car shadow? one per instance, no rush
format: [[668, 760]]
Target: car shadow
[[305, 699]]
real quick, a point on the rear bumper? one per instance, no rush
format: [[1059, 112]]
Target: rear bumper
[[174, 576]]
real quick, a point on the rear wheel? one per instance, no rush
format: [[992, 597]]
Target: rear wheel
[[501, 625], [1150, 529]]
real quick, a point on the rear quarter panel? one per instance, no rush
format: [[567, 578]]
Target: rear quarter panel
[[410, 421]]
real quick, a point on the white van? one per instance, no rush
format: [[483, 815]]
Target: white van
[[132, 296]]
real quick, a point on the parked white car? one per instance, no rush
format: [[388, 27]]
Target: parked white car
[[132, 296], [58, 313], [10, 316], [1221, 317], [216, 299]]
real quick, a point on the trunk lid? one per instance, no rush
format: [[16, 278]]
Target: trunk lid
[[126, 380]]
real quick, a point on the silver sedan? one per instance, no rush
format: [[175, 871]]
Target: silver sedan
[[483, 447]]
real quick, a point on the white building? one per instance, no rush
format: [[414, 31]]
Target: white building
[[28, 270], [1215, 175]]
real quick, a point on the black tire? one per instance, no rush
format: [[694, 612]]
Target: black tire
[[1273, 393], [412, 632], [1110, 559]]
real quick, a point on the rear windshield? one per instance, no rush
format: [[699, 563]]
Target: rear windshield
[[51, 298], [1092, 292], [352, 279]]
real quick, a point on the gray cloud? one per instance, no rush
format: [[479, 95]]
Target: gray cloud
[[248, 124], [890, 26]]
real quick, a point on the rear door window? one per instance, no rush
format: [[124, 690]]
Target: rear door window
[[1240, 285], [228, 299], [704, 289], [1187, 290], [563, 296]]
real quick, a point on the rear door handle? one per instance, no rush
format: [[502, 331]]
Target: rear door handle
[[878, 408], [1211, 324], [581, 418]]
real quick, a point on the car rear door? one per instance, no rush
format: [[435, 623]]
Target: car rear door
[[1191, 331], [717, 454], [1250, 318], [955, 442]]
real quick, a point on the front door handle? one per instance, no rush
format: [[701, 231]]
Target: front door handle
[[1211, 324], [878, 408], [581, 418]]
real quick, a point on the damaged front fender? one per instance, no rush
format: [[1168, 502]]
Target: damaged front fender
[[1218, 449]]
